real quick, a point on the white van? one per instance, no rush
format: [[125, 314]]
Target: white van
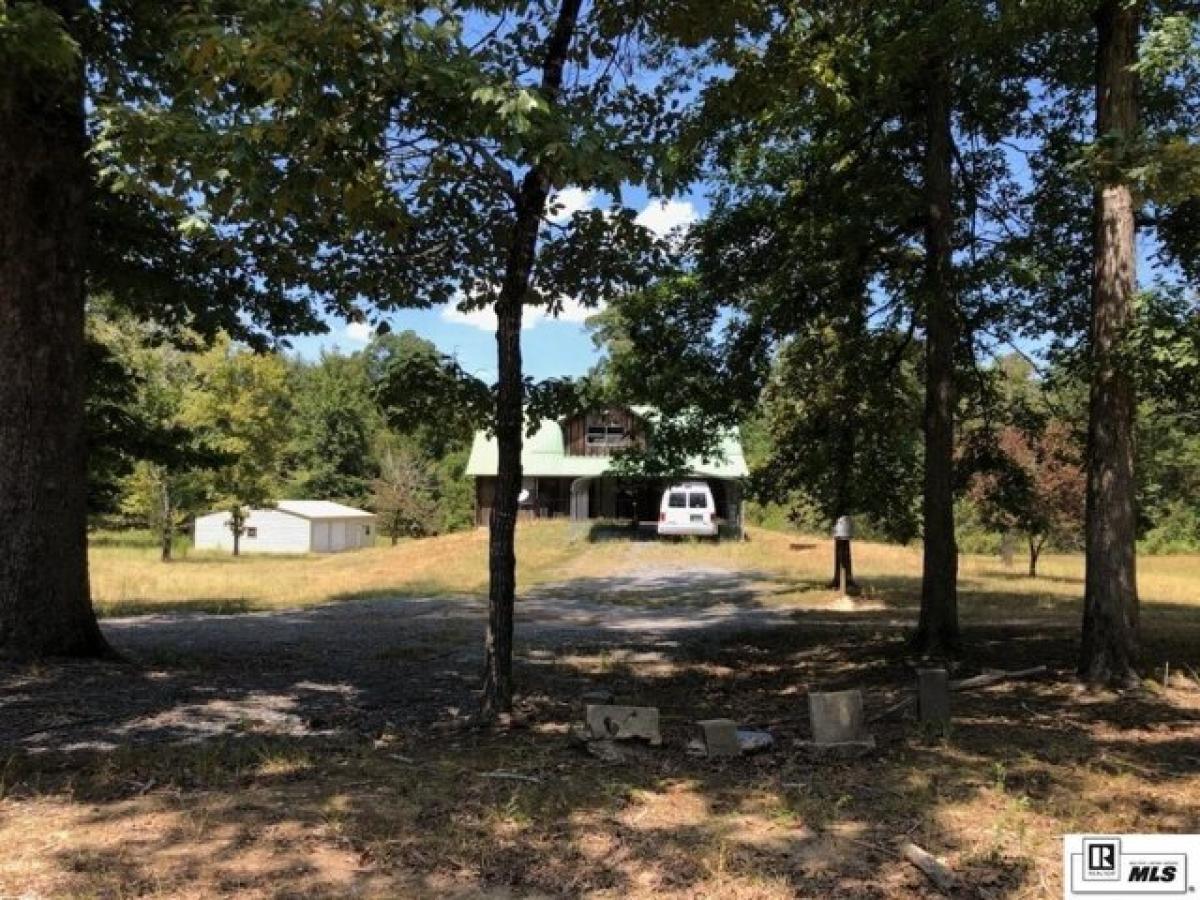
[[688, 508]]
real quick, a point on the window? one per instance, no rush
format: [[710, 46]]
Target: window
[[251, 532], [606, 434], [698, 501], [367, 530], [677, 501]]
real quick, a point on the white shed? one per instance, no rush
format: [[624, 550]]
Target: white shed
[[291, 526]]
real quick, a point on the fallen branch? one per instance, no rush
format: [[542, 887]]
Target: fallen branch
[[934, 869], [894, 708], [510, 776], [966, 684], [991, 678]]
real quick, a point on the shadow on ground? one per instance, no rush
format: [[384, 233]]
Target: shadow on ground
[[323, 753]]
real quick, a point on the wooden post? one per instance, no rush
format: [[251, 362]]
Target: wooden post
[[933, 687]]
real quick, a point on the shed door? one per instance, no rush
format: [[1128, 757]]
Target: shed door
[[337, 539], [320, 531]]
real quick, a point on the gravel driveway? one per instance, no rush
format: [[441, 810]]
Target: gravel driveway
[[356, 667]]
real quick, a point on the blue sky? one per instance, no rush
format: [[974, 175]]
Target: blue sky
[[552, 347]]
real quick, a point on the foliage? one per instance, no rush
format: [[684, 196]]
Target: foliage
[[239, 403], [843, 418], [333, 424], [403, 494], [423, 393], [1030, 479]]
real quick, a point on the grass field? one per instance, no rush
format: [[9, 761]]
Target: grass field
[[129, 579], [413, 808]]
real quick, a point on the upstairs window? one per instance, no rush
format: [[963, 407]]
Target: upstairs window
[[607, 434], [251, 532]]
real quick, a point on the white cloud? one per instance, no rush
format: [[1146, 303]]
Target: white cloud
[[571, 200], [359, 332], [664, 216], [485, 319], [573, 311]]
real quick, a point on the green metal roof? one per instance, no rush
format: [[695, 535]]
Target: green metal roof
[[543, 455]]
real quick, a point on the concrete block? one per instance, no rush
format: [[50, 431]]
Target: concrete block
[[623, 722], [720, 737], [836, 716]]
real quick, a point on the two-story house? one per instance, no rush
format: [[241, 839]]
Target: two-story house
[[566, 470]]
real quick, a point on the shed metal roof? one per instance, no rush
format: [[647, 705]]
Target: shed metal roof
[[322, 509]]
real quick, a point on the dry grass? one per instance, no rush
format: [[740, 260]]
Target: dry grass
[[129, 580], [406, 813]]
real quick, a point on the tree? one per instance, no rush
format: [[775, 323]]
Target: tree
[[842, 416], [44, 186], [165, 483], [403, 494], [862, 179], [239, 405], [1110, 604], [334, 425], [425, 394], [162, 498], [937, 629], [440, 189], [1030, 479]]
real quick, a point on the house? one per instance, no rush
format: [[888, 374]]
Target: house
[[566, 470], [290, 526]]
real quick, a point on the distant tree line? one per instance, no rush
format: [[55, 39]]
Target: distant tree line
[[188, 429]]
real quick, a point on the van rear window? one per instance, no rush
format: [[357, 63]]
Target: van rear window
[[698, 501], [677, 501]]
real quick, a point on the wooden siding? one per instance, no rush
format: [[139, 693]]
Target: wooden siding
[[575, 431]]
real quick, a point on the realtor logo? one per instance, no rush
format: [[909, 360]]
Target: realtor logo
[[1101, 854], [1129, 865]]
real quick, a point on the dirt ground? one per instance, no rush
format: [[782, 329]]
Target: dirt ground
[[327, 752]]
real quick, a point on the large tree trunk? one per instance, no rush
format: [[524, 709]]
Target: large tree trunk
[[45, 609], [1110, 606], [510, 394], [937, 631]]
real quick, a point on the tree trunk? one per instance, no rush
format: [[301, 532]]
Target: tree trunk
[[1110, 608], [168, 516], [45, 608], [937, 631], [1035, 550], [510, 394], [237, 525]]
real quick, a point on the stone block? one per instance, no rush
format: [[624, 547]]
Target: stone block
[[622, 723], [836, 716], [720, 737]]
